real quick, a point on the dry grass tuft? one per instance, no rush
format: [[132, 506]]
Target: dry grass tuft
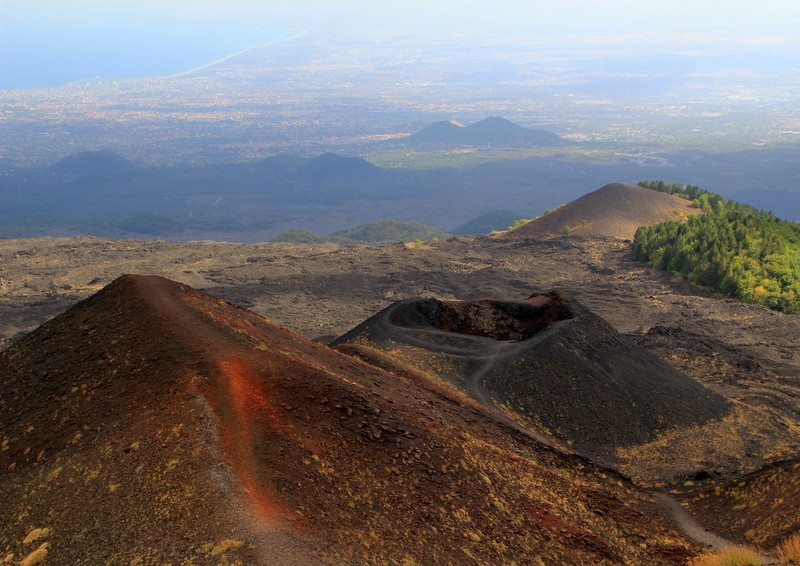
[[733, 556], [226, 545], [36, 556], [35, 534], [788, 550]]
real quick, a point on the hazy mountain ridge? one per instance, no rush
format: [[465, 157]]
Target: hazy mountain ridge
[[257, 201]]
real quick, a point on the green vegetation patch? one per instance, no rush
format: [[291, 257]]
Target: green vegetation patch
[[299, 237], [689, 192], [387, 232], [733, 248]]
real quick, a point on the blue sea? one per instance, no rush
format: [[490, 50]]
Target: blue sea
[[60, 56]]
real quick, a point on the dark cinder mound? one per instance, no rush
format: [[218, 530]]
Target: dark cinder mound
[[615, 210], [500, 320], [550, 360], [155, 424], [430, 320]]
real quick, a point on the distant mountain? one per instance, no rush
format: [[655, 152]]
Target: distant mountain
[[92, 162], [387, 232], [285, 191], [299, 237], [494, 130], [333, 166], [446, 131], [615, 210]]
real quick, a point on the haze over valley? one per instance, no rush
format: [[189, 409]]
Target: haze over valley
[[639, 107]]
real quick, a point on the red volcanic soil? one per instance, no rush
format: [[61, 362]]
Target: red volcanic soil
[[615, 210], [152, 423]]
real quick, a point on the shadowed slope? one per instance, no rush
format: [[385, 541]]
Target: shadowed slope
[[152, 423], [615, 210], [762, 508], [111, 441], [550, 361]]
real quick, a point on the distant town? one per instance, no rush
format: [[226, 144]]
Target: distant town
[[311, 95]]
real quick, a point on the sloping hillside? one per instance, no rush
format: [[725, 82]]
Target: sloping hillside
[[762, 508], [615, 210], [152, 423]]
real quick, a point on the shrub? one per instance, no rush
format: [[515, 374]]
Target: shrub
[[733, 556], [732, 248], [519, 222], [299, 237], [788, 550]]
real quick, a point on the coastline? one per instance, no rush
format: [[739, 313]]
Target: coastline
[[299, 34]]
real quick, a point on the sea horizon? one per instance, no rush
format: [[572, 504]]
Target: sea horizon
[[58, 60]]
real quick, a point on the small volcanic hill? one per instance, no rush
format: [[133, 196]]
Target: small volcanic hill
[[445, 131], [387, 231], [92, 162], [154, 424], [550, 361], [494, 130], [615, 210]]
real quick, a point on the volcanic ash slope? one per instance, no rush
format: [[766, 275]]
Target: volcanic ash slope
[[152, 423], [548, 361], [615, 210]]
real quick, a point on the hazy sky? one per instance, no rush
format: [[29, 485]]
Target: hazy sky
[[44, 42], [449, 14]]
